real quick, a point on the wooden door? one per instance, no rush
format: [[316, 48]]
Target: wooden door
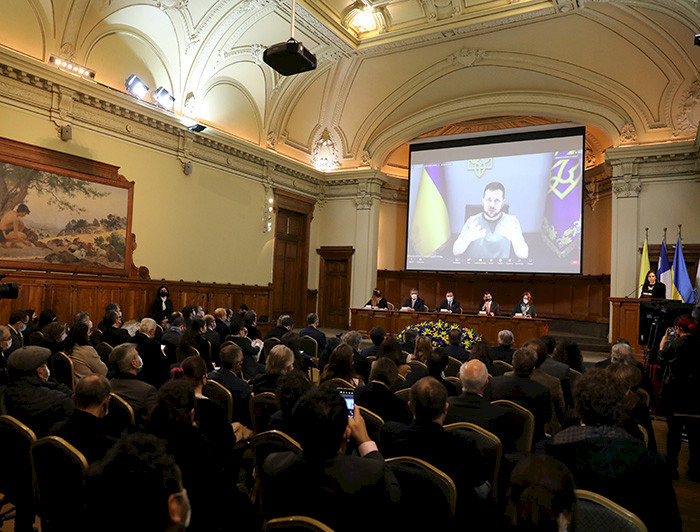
[[291, 256], [334, 285]]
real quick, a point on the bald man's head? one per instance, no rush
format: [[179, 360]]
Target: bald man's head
[[428, 400], [474, 376]]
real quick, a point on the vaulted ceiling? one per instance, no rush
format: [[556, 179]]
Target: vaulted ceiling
[[627, 69]]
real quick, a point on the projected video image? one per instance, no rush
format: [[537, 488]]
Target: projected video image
[[517, 212]]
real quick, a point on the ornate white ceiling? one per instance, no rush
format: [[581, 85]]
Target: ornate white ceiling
[[626, 68]]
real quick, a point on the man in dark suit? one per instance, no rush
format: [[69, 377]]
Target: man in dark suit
[[521, 389], [377, 335], [113, 333], [489, 306], [472, 407], [454, 453], [126, 362], [155, 362], [284, 325], [323, 482], [450, 304], [212, 337], [504, 350], [171, 338], [251, 352], [311, 330], [231, 363], [377, 396], [454, 348], [17, 324], [415, 303], [221, 326], [550, 366], [85, 429]]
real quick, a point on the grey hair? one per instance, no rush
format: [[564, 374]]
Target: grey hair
[[477, 381], [352, 338], [120, 359], [622, 354], [505, 337], [147, 325]]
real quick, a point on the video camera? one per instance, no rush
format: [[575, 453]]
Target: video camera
[[8, 290]]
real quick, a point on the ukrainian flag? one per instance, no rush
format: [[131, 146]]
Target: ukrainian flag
[[682, 289], [430, 227]]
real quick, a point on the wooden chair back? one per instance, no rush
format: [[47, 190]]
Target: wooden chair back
[[595, 512], [16, 484], [404, 394], [453, 365], [269, 344], [296, 522], [219, 394], [503, 365], [36, 338], [338, 383], [103, 349], [120, 416], [263, 445], [61, 367], [262, 406], [373, 422], [417, 365], [309, 345], [524, 442]]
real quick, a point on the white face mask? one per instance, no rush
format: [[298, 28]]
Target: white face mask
[[450, 299], [47, 371], [414, 296], [525, 301], [90, 325], [9, 343], [63, 337]]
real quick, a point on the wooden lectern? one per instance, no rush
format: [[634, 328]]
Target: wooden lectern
[[625, 321]]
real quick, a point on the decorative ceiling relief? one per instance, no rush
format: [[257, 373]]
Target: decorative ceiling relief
[[325, 152], [466, 57], [628, 135], [689, 116], [171, 4]]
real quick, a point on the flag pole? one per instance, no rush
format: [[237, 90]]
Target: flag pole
[[665, 229], [679, 232]]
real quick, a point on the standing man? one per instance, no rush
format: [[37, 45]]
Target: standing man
[[489, 306], [490, 234], [415, 303], [450, 304]]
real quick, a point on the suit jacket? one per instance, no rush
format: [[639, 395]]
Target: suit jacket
[[317, 335], [276, 332], [87, 433], [251, 367], [371, 351], [495, 308], [140, 395], [156, 366], [418, 305], [455, 307], [458, 352], [215, 343], [528, 393], [379, 399], [222, 329], [171, 339], [17, 341], [501, 352], [86, 362], [329, 490], [555, 368], [115, 336], [472, 408], [240, 391]]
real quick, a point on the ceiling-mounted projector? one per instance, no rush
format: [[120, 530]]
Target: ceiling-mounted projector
[[289, 58]]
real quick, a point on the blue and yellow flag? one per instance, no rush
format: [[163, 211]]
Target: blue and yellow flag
[[682, 288], [430, 227], [561, 226]]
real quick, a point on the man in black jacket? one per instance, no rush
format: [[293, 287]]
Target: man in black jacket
[[414, 302], [454, 348], [231, 364], [284, 325], [31, 396], [488, 306], [156, 366], [113, 333], [126, 363], [450, 304], [311, 330], [17, 324], [323, 482]]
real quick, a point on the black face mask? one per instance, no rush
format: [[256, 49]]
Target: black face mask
[[163, 294]]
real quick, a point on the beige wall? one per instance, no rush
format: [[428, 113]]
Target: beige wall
[[391, 252], [203, 227], [596, 237]]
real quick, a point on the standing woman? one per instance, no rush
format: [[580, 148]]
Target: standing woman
[[525, 307], [652, 287], [162, 306]]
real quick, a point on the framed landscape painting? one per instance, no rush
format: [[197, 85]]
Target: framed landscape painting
[[60, 212]]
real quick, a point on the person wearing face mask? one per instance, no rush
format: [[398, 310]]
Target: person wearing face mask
[[126, 363], [489, 306], [5, 343], [377, 301], [163, 502], [31, 396], [162, 306], [86, 429], [525, 307], [85, 359], [17, 325], [415, 303], [450, 304]]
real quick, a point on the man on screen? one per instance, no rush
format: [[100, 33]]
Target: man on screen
[[490, 234]]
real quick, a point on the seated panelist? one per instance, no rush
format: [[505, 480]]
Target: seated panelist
[[415, 303], [377, 301], [525, 307], [450, 304], [488, 306]]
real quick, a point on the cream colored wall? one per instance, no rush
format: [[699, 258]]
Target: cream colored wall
[[202, 227], [667, 205], [596, 237], [391, 251]]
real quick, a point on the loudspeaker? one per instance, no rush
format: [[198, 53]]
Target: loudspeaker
[[187, 167], [66, 132]]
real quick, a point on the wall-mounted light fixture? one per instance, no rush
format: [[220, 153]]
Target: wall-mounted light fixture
[[72, 67]]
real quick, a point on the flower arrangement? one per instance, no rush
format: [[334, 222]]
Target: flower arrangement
[[438, 332]]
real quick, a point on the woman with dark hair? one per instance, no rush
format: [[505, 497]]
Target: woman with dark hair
[[525, 307], [634, 403], [541, 496], [46, 316], [391, 348], [652, 287], [341, 366], [482, 352], [569, 353], [55, 336], [162, 306], [85, 359], [192, 339]]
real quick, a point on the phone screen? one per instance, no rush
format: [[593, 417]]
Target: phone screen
[[349, 398]]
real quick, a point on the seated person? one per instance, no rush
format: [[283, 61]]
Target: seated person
[[251, 352], [284, 325], [525, 307], [231, 362], [113, 333], [504, 350], [454, 347], [449, 304], [85, 359], [31, 396], [606, 459], [311, 330], [155, 362], [488, 306], [391, 349], [279, 362], [290, 388], [415, 303], [85, 428], [521, 389], [377, 335], [341, 366], [454, 453], [377, 396], [409, 340], [126, 363], [377, 301], [323, 482]]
